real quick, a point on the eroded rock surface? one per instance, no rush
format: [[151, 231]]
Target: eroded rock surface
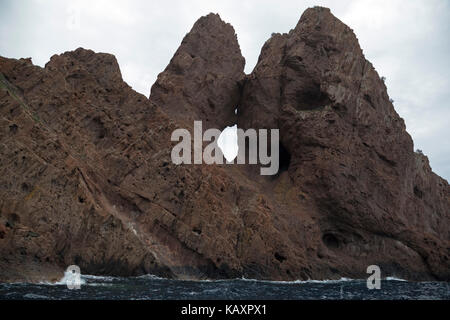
[[87, 178], [348, 151], [201, 81]]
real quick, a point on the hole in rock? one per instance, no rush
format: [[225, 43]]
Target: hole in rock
[[12, 220], [279, 257], [25, 187], [228, 143], [330, 241], [417, 192], [97, 128], [311, 98], [13, 128]]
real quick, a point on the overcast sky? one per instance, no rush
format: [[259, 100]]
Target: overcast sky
[[406, 40]]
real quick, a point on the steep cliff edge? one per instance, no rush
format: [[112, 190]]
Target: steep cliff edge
[[87, 178], [201, 81], [349, 151]]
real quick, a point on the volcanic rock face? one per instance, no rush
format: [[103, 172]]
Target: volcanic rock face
[[349, 151], [87, 178], [202, 80]]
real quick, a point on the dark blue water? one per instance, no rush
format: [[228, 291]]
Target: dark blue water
[[149, 287]]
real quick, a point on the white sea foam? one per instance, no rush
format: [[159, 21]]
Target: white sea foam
[[100, 278], [395, 279], [70, 277], [90, 279], [301, 281], [151, 277], [256, 280]]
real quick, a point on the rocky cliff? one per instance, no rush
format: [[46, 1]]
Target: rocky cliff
[[87, 179]]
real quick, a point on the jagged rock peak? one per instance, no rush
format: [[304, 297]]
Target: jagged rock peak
[[81, 62], [201, 81], [347, 146]]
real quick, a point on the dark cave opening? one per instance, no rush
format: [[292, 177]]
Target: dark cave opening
[[311, 98], [330, 240], [285, 159], [279, 257], [417, 192]]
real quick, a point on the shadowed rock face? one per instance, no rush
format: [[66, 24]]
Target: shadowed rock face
[[87, 178]]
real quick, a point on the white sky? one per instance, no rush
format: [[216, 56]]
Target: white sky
[[406, 40]]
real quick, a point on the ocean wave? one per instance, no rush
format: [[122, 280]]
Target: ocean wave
[[33, 296], [94, 279], [395, 279], [68, 277], [343, 279], [100, 278], [150, 277]]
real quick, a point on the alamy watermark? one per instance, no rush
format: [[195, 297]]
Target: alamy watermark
[[374, 280], [73, 17], [258, 150]]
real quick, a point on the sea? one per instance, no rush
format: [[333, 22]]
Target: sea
[[150, 287]]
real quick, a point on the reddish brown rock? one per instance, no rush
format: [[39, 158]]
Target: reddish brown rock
[[349, 152], [201, 81], [59, 125], [87, 178]]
